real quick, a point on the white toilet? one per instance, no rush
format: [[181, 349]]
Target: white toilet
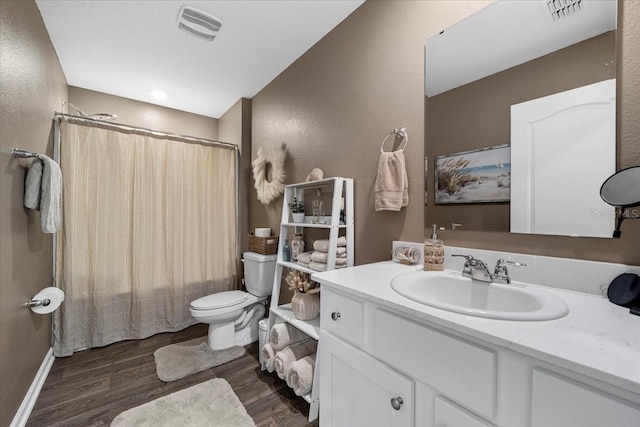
[[233, 315]]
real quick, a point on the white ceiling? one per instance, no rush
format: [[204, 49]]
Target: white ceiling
[[128, 48], [505, 34]]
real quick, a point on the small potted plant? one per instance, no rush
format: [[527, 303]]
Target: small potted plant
[[297, 210], [305, 302]]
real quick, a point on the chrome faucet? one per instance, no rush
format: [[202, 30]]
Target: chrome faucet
[[475, 268], [501, 274], [478, 269]]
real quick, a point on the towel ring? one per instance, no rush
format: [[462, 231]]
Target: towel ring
[[400, 132]]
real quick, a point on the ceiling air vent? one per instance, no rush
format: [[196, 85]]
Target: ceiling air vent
[[198, 23], [559, 9]]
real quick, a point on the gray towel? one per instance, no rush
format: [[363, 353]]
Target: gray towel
[[32, 185], [50, 197]]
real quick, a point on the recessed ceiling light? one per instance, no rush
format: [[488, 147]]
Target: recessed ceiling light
[[158, 94]]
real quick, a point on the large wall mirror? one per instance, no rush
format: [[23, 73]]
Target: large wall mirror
[[520, 118]]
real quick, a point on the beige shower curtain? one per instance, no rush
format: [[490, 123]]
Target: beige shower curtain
[[149, 225]]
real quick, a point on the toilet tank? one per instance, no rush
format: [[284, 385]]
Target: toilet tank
[[258, 273]]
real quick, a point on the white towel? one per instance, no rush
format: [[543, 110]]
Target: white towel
[[32, 185], [322, 245], [304, 257], [323, 257], [300, 375], [303, 264], [283, 334], [268, 356], [392, 184], [285, 357], [50, 208], [319, 266]]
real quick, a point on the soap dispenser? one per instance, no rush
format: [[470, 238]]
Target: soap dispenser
[[433, 252]]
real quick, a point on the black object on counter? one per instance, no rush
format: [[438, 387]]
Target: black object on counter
[[624, 290]]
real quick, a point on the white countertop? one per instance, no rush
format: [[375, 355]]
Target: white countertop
[[597, 338]]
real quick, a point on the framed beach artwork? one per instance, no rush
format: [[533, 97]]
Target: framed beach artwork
[[478, 176], [426, 174]]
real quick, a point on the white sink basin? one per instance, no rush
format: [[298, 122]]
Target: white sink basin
[[452, 292]]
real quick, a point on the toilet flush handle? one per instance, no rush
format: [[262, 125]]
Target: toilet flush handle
[[335, 315]]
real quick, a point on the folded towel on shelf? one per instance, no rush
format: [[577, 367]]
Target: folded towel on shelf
[[285, 357], [319, 266], [304, 257], [392, 184], [50, 209], [268, 356], [32, 185], [304, 264], [300, 375], [323, 257], [322, 245], [283, 334]]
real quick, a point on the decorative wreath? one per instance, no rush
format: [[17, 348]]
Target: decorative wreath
[[269, 158]]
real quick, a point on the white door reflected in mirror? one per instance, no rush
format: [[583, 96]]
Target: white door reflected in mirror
[[562, 148]]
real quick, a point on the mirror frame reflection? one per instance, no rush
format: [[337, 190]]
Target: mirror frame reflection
[[475, 115]]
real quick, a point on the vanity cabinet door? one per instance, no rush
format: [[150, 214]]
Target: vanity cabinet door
[[561, 402], [449, 415], [356, 390]]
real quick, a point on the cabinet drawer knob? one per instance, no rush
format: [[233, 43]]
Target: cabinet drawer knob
[[335, 315], [396, 403]]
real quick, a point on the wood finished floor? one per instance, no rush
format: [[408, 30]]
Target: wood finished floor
[[92, 387]]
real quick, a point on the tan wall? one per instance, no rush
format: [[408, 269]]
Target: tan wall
[[33, 87], [478, 115], [142, 114], [336, 103], [235, 127], [625, 249]]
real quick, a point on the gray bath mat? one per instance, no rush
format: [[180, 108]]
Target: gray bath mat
[[177, 361], [211, 403]]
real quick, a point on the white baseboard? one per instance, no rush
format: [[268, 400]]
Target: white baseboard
[[29, 401]]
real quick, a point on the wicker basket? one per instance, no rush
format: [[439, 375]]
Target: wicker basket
[[263, 245]]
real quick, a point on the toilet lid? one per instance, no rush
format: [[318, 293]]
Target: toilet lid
[[219, 300]]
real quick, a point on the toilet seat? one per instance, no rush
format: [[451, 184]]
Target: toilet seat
[[219, 300]]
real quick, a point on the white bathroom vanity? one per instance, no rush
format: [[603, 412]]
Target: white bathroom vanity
[[389, 361]]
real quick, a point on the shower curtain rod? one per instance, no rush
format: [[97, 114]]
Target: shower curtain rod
[[153, 132]]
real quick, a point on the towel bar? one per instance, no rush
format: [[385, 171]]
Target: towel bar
[[24, 154]]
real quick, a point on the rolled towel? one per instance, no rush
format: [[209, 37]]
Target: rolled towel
[[32, 185], [323, 257], [285, 357], [319, 266], [392, 184], [304, 257], [322, 245], [300, 376], [283, 334], [268, 355]]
